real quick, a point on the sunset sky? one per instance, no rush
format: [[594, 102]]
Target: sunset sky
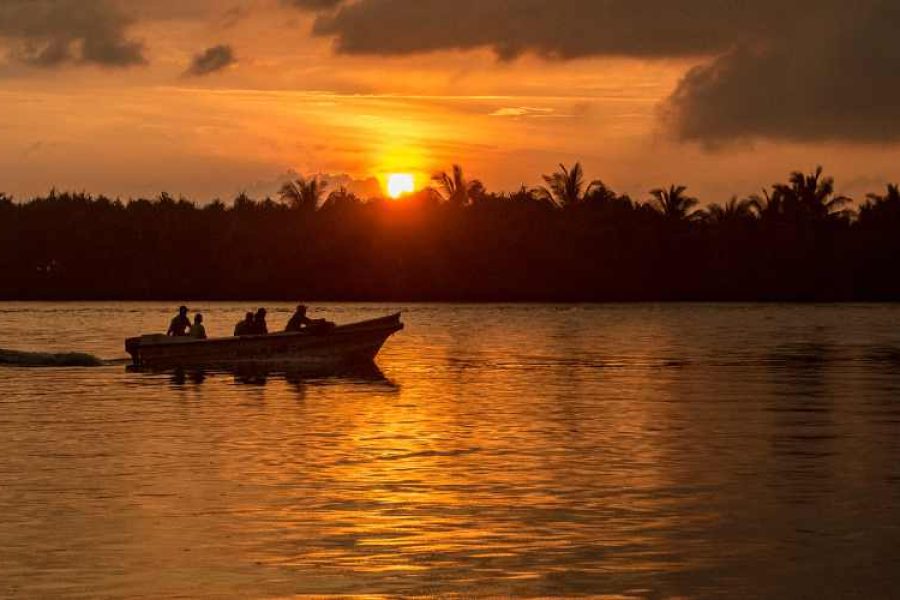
[[208, 98]]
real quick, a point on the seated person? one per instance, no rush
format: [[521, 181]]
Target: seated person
[[244, 327], [299, 320], [180, 325], [198, 331], [259, 323]]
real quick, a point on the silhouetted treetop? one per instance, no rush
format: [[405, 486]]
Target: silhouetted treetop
[[303, 194], [674, 204], [733, 211], [881, 206], [571, 240], [454, 187], [566, 186]]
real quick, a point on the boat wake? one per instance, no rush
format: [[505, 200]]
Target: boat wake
[[15, 358]]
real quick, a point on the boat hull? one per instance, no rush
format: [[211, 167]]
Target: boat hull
[[340, 347]]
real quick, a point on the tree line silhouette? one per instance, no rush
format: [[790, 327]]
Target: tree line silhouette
[[570, 240]]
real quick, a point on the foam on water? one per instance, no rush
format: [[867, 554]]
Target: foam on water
[[15, 358]]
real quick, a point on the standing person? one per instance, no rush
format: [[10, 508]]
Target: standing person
[[244, 327], [180, 325], [259, 323], [198, 331]]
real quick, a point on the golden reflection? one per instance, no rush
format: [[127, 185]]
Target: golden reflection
[[432, 479], [560, 450]]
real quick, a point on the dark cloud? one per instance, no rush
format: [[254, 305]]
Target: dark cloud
[[50, 33], [836, 78], [798, 70], [551, 28], [211, 60], [312, 4]]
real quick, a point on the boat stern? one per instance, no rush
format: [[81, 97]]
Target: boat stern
[[133, 347]]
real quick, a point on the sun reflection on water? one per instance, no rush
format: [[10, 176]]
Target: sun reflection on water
[[561, 451]]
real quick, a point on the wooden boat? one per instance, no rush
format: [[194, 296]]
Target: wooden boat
[[316, 349]]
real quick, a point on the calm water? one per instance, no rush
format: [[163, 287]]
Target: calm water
[[641, 451]]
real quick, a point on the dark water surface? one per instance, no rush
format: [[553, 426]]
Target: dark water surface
[[639, 451]]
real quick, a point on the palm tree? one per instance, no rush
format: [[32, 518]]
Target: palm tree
[[766, 205], [882, 206], [566, 187], [244, 202], [673, 204], [891, 198], [811, 196], [340, 199], [303, 194], [733, 211], [454, 187], [599, 194], [526, 196]]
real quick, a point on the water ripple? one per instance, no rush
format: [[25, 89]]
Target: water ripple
[[608, 451]]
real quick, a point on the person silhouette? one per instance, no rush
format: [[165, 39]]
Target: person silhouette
[[259, 323], [244, 327], [299, 320], [180, 325], [198, 331]]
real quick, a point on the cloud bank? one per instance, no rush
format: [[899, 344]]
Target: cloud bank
[[792, 71], [796, 71], [50, 33], [562, 29], [836, 77]]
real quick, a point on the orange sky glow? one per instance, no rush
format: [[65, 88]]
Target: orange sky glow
[[289, 104]]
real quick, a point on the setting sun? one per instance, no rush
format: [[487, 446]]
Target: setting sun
[[399, 184]]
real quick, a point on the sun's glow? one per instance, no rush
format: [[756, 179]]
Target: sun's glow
[[399, 184]]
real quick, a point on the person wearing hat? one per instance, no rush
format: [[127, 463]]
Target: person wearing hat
[[180, 325]]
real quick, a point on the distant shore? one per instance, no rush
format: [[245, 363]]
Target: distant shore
[[798, 242]]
